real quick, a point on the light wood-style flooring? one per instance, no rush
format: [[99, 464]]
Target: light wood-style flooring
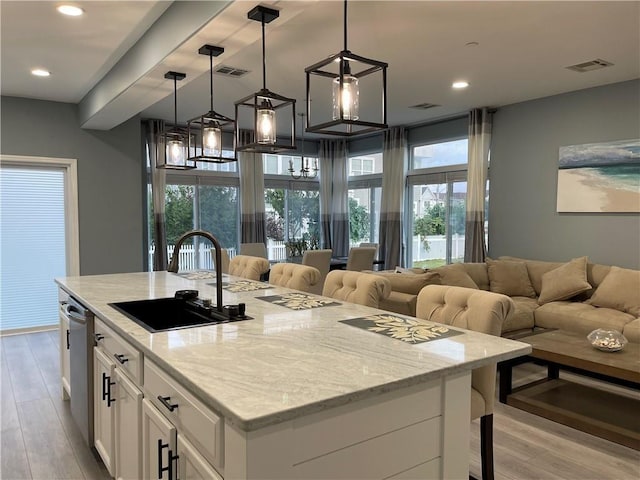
[[39, 440]]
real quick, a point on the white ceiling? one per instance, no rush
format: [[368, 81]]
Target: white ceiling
[[112, 60]]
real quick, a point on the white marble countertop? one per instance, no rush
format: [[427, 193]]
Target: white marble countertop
[[283, 364]]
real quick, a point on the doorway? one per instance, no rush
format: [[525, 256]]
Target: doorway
[[39, 239]]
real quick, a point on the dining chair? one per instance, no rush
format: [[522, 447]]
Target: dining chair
[[254, 249], [480, 311], [356, 287], [248, 266], [293, 275], [320, 259], [225, 259], [361, 258]]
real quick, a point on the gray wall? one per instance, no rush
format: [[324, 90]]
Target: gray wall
[[109, 177], [524, 163]]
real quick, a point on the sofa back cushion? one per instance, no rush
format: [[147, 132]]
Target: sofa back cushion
[[456, 275], [619, 290], [478, 273], [509, 278], [410, 283], [537, 268]]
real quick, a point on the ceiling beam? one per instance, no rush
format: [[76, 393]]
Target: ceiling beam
[[114, 99]]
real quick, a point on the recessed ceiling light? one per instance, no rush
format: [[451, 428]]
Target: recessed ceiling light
[[460, 84], [70, 10], [40, 72]]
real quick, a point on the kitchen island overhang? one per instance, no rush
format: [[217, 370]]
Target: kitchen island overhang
[[287, 367]]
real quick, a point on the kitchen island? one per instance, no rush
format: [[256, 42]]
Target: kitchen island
[[292, 393]]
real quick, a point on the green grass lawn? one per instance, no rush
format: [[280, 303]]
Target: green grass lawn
[[433, 263]]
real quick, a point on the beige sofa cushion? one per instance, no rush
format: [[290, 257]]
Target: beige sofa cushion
[[456, 276], [410, 283], [399, 302], [580, 317], [522, 317], [619, 290], [509, 278], [631, 331], [565, 282]]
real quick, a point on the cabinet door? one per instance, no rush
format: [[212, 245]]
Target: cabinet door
[[192, 465], [64, 356], [103, 407], [128, 428], [158, 444]]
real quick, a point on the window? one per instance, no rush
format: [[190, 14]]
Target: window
[[436, 198], [206, 198], [292, 207], [365, 191], [445, 154], [365, 164]]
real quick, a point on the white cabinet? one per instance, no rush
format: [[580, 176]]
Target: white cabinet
[[200, 452], [117, 403], [103, 407], [158, 444], [64, 355], [192, 465], [128, 434]]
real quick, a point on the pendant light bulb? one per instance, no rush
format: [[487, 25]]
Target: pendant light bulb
[[212, 140], [346, 100], [266, 123]]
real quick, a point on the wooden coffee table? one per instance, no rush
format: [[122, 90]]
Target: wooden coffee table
[[598, 412]]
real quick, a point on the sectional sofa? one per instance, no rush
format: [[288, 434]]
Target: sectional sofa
[[577, 295]]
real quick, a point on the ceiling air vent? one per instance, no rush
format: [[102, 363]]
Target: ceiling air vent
[[230, 71], [424, 106], [596, 64]]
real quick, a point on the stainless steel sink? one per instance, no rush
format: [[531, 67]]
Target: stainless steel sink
[[181, 311]]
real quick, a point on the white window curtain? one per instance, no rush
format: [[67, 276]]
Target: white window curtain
[[334, 209], [151, 130], [252, 221], [480, 121], [394, 166]]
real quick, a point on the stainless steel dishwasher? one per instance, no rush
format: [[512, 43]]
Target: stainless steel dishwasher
[[81, 342]]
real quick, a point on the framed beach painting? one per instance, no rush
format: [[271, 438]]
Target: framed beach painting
[[599, 177]]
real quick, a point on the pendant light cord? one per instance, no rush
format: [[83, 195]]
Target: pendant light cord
[[264, 61], [211, 79], [345, 25], [175, 102]]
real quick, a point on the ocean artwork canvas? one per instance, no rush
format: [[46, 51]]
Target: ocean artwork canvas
[[599, 177]]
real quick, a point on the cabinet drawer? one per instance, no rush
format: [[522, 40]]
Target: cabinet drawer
[[125, 355], [192, 418]]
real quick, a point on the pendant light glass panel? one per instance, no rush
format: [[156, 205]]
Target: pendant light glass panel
[[206, 131], [172, 143], [265, 110]]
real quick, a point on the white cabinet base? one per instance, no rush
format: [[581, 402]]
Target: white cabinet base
[[422, 429]]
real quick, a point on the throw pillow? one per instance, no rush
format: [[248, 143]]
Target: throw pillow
[[509, 278], [564, 282], [456, 276], [619, 290]]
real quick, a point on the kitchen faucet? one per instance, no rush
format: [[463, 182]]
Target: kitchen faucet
[[173, 264]]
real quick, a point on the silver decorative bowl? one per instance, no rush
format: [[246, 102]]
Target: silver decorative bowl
[[607, 340]]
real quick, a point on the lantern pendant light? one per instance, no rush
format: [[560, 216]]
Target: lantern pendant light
[[266, 108], [305, 163], [172, 143], [344, 70], [205, 131]]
